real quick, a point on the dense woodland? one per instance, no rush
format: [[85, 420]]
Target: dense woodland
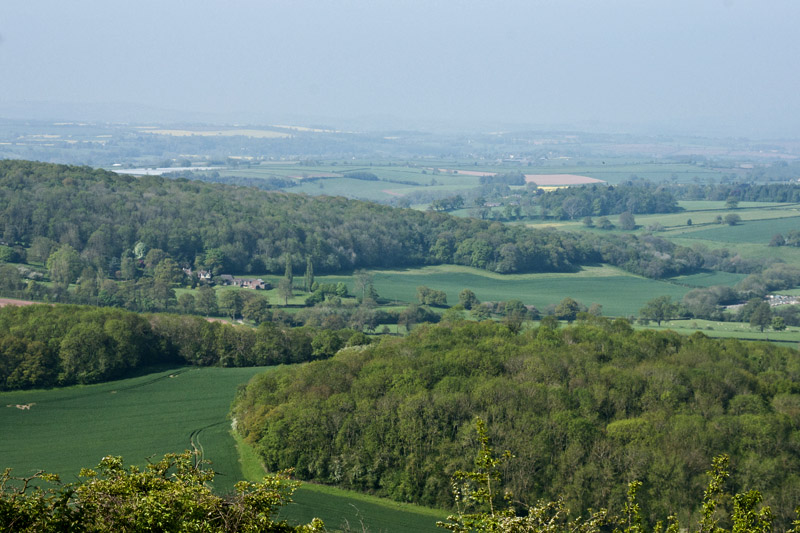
[[103, 216], [45, 346], [745, 191], [599, 200], [584, 410]]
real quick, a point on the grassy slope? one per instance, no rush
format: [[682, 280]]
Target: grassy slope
[[737, 330], [66, 429]]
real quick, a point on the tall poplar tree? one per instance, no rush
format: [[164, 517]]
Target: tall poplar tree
[[308, 279], [288, 273]]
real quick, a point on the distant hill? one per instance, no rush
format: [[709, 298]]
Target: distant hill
[[104, 215]]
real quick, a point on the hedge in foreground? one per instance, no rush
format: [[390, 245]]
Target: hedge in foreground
[[171, 495]]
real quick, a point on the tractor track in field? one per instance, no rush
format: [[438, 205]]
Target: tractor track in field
[[196, 444]]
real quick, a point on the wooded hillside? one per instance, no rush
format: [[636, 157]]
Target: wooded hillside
[[584, 409], [223, 228]]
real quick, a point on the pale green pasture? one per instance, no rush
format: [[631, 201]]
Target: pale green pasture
[[750, 231], [787, 254], [736, 330], [352, 188]]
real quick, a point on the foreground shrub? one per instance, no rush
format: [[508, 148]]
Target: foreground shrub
[[172, 494]]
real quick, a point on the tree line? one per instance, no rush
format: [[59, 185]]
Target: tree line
[[103, 217], [47, 346]]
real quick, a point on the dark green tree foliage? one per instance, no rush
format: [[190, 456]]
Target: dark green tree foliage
[[428, 296], [743, 191], [584, 409], [508, 178], [626, 221], [169, 495], [600, 200], [659, 309], [45, 346], [761, 317], [308, 277], [468, 299], [235, 229], [479, 510], [568, 309], [9, 254]]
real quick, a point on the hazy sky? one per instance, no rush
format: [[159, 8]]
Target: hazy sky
[[724, 66]]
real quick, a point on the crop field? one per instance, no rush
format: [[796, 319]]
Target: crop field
[[620, 293], [703, 215], [709, 279], [348, 511], [343, 509], [736, 330], [788, 254], [62, 430], [655, 172], [393, 180], [451, 176], [757, 231]]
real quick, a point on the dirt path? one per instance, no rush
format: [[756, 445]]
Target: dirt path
[[10, 301]]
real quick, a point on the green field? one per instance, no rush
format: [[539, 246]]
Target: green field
[[702, 213], [451, 179], [735, 330], [620, 293], [393, 180], [757, 231], [349, 511], [709, 279], [66, 429]]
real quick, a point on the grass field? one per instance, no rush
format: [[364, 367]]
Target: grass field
[[709, 279], [66, 429], [343, 509], [756, 231], [620, 293], [394, 180], [350, 511], [702, 213], [736, 330]]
